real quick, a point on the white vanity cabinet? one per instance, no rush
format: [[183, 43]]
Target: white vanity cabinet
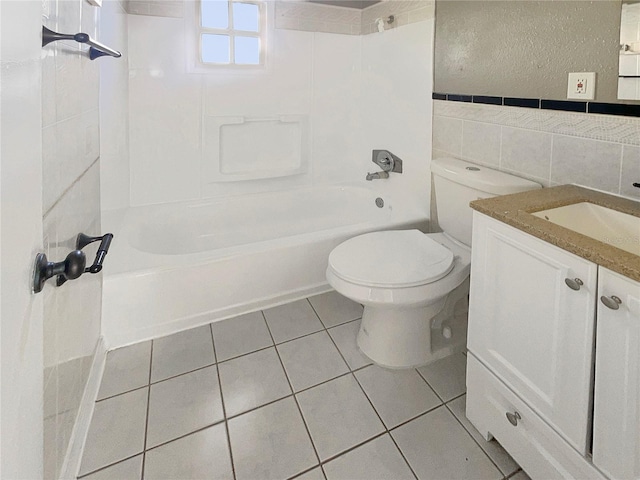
[[616, 423], [554, 356], [531, 323]]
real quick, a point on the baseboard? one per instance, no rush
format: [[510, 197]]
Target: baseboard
[[71, 465]]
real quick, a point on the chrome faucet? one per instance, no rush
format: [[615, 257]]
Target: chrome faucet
[[387, 161], [376, 175]]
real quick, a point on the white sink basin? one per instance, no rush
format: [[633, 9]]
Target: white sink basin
[[600, 223]]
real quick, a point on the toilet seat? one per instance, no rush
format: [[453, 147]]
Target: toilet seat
[[391, 259]]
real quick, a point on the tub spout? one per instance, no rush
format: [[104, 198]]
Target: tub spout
[[373, 176]]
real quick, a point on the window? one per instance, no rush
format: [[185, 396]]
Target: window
[[232, 32]]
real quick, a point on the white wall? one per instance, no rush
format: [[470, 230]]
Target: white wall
[[21, 239], [114, 108], [313, 74]]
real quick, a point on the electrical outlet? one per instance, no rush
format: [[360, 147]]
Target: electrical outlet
[[582, 86]]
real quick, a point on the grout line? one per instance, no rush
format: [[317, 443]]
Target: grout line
[[386, 429], [472, 437], [122, 393], [66, 190], [146, 423], [180, 437], [295, 399], [224, 410], [110, 465]]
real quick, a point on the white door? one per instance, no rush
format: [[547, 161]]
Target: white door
[[616, 417], [529, 327], [20, 240]]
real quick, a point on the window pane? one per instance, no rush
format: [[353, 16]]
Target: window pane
[[215, 48], [245, 17], [215, 13], [247, 50]]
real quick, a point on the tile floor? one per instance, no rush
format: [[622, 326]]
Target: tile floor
[[282, 393]]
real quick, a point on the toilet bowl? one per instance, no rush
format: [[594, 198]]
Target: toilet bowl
[[414, 286], [414, 290]]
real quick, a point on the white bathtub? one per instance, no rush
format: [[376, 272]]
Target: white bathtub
[[176, 266]]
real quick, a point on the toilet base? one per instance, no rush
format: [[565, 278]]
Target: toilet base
[[414, 336]]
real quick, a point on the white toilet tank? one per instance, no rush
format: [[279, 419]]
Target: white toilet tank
[[457, 183]]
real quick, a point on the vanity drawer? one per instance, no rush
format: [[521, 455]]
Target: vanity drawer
[[531, 442]]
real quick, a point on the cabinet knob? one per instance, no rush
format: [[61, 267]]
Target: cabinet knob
[[611, 302], [573, 283], [513, 418]]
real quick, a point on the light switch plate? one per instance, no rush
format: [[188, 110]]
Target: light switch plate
[[582, 86]]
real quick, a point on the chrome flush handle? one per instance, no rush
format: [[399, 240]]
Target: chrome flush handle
[[611, 302], [513, 418], [573, 283]]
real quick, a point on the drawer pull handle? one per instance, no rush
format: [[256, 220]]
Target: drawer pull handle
[[611, 302], [513, 418], [573, 283]]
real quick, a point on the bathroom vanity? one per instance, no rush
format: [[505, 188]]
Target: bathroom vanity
[[554, 335]]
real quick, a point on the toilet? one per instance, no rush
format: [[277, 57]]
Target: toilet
[[415, 286]]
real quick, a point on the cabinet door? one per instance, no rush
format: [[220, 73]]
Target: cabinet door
[[529, 327], [616, 417]]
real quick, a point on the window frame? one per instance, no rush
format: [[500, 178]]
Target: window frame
[[200, 30]]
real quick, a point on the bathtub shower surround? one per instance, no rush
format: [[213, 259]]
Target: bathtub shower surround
[[215, 225], [320, 93], [549, 147], [184, 264]]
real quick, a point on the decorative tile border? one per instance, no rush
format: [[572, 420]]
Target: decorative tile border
[[610, 128], [627, 110], [314, 17]]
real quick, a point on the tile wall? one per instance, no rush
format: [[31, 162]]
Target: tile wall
[[71, 204], [549, 147]]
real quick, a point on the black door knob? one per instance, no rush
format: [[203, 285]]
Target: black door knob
[[74, 265]]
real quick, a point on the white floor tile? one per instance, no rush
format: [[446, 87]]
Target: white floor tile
[[271, 442], [130, 469], [315, 474], [252, 380], [334, 309], [204, 454], [447, 376], [378, 459], [292, 320], [345, 338], [338, 415], [182, 405], [500, 457], [181, 352], [397, 395], [240, 335], [116, 431], [126, 368], [436, 446], [311, 360]]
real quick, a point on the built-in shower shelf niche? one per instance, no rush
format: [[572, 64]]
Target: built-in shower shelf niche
[[242, 148]]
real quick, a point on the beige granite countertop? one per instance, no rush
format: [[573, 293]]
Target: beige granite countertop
[[516, 209]]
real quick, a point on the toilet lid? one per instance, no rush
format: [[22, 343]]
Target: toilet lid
[[397, 258]]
